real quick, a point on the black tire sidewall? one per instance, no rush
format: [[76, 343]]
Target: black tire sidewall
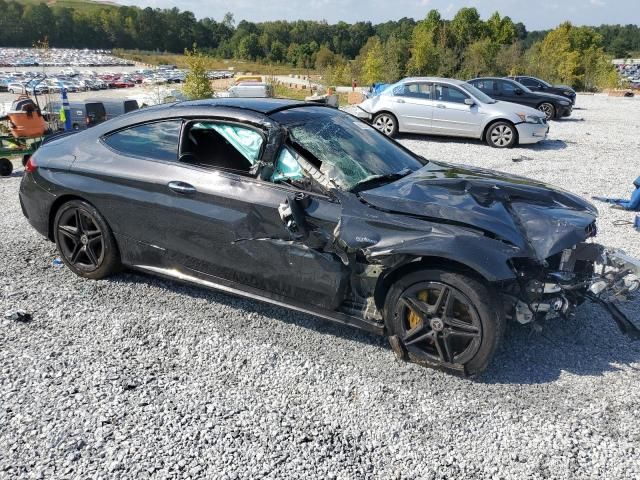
[[514, 139], [111, 261], [482, 296], [6, 167]]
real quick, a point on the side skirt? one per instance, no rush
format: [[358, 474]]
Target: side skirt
[[255, 294]]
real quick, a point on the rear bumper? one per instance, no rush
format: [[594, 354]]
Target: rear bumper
[[531, 133], [35, 203]]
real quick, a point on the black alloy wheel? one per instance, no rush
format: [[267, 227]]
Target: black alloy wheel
[[84, 240], [445, 319]]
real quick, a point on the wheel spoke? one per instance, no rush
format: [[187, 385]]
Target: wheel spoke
[[79, 223], [459, 325], [447, 347], [77, 249], [444, 297], [69, 232], [418, 307], [441, 352], [91, 255]]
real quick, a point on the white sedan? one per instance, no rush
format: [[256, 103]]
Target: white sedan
[[443, 106]]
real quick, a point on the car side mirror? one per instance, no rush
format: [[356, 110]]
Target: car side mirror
[[293, 216], [469, 101], [518, 91]]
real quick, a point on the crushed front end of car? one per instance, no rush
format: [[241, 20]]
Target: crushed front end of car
[[585, 271]]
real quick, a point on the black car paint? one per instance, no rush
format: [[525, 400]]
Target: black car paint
[[522, 97], [230, 235], [538, 85]]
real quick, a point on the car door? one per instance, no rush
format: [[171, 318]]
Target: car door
[[451, 115], [510, 91], [413, 106], [205, 215]]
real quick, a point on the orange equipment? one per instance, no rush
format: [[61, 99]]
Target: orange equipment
[[25, 119]]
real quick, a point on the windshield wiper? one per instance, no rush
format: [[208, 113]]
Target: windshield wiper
[[375, 180]]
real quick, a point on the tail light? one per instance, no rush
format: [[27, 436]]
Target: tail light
[[31, 165]]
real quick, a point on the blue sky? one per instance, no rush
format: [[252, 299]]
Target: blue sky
[[535, 14]]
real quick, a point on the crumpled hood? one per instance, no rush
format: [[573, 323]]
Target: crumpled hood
[[539, 219]]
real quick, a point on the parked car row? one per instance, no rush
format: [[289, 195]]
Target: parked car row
[[55, 57], [500, 111], [630, 70]]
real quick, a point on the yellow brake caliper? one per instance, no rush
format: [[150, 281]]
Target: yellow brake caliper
[[413, 318]]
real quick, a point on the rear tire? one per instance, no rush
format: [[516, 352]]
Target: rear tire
[[85, 241], [502, 134], [386, 123], [6, 167], [445, 319]]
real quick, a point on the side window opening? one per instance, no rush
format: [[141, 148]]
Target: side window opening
[[221, 145], [157, 140], [447, 93]]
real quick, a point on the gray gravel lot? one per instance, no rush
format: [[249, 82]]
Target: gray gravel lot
[[136, 377]]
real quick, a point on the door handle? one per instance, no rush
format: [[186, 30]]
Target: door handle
[[440, 105], [182, 188], [399, 100]]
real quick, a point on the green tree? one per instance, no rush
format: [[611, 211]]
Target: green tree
[[196, 83], [373, 67], [324, 57], [424, 54], [249, 47]]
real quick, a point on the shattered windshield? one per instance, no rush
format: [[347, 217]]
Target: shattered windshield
[[347, 151]]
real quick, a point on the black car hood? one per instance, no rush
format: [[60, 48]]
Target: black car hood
[[550, 96], [564, 87], [538, 219]]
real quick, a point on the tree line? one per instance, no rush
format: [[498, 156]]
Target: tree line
[[461, 47]]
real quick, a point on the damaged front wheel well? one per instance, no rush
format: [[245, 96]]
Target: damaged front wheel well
[[386, 280]]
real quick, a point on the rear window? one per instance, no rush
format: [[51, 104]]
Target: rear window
[[156, 141]]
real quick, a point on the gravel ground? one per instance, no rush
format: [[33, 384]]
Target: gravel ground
[[136, 377]]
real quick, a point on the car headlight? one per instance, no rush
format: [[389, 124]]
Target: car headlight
[[568, 93], [530, 118]]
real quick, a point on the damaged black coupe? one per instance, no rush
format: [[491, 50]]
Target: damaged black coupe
[[307, 207]]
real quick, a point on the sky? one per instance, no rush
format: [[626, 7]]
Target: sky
[[535, 14]]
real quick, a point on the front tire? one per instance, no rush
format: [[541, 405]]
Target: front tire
[[502, 135], [548, 109], [386, 123], [445, 319], [85, 241]]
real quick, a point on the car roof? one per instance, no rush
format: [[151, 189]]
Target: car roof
[[259, 105], [452, 81]]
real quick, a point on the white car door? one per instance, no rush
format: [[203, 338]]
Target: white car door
[[412, 105], [451, 115]]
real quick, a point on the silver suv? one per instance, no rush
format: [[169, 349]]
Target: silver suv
[[443, 106]]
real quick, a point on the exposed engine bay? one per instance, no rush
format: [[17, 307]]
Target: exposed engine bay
[[586, 271]]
